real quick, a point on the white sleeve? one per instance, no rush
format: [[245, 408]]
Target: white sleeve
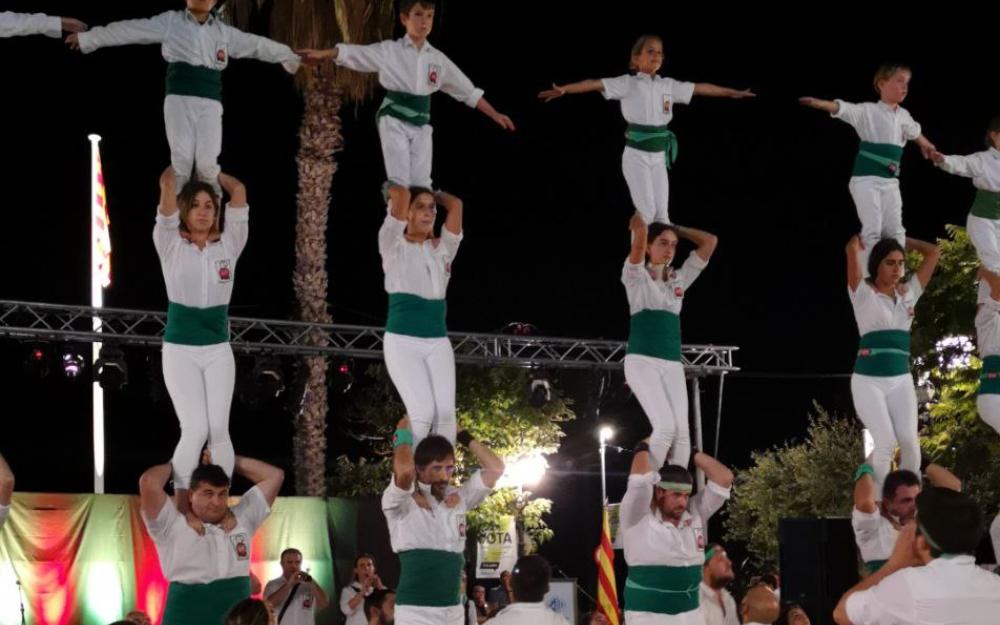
[[633, 275], [849, 112], [272, 587], [909, 126], [865, 525], [346, 595], [616, 88], [456, 84], [451, 241], [474, 490], [710, 500], [638, 494], [17, 24], [691, 269], [166, 234], [860, 295], [361, 58], [237, 229], [681, 91], [126, 32], [968, 166], [914, 287], [248, 46], [159, 527], [252, 509], [890, 602], [390, 239], [396, 502]]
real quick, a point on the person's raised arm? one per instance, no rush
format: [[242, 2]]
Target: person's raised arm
[[704, 242], [6, 482], [854, 271], [865, 495], [715, 471], [453, 207], [267, 478], [403, 469], [151, 494], [584, 86], [235, 189], [491, 465], [168, 192], [715, 91], [930, 253], [942, 477], [829, 106], [637, 253]]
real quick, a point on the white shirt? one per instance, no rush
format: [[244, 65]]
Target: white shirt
[[647, 100], [983, 167], [877, 311], [402, 67], [947, 591], [877, 122], [300, 610], [874, 534], [988, 327], [187, 557], [528, 614], [200, 278], [648, 293], [185, 40], [440, 528], [714, 613], [4, 513], [356, 616], [421, 269], [650, 540], [17, 24]]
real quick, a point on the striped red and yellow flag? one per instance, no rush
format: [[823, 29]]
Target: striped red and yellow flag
[[101, 225], [607, 591]]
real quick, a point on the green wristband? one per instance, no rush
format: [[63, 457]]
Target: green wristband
[[865, 468], [402, 437]]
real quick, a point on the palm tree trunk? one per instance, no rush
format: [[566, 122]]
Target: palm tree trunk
[[319, 139]]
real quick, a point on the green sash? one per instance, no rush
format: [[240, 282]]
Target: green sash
[[429, 577], [412, 109], [884, 353], [663, 589], [196, 326], [194, 80]]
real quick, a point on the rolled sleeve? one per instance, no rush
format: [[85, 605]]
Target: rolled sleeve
[[474, 490], [682, 91], [252, 509], [395, 500], [616, 88], [360, 58], [159, 527], [455, 83]]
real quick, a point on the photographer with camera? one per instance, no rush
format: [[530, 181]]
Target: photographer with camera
[[295, 595]]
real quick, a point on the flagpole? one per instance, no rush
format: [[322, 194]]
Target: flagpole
[[96, 301]]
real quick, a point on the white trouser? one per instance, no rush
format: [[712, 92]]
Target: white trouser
[[194, 132], [648, 184], [423, 615], [995, 537], [880, 209], [200, 382], [989, 410], [661, 389], [407, 151], [423, 371], [985, 236], [887, 406], [694, 617]]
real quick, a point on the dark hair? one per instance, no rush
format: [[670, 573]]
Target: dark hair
[[249, 612], [879, 251], [950, 521], [377, 599], [638, 46], [416, 192], [886, 71], [769, 579], [895, 479], [675, 473], [657, 228], [405, 6], [185, 199], [288, 551], [359, 558], [993, 126], [432, 449], [786, 610], [211, 474], [530, 579]]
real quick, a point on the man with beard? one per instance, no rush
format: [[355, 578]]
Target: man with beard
[[717, 604]]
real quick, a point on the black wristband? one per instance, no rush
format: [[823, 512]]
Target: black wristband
[[642, 446], [464, 437]]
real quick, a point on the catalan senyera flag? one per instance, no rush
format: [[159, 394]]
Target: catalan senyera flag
[[607, 590], [101, 224]]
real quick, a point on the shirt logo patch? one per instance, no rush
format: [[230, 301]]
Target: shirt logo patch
[[666, 104], [678, 291], [460, 519], [240, 546], [701, 541], [433, 73], [308, 603], [447, 268], [909, 311], [221, 54], [224, 270]]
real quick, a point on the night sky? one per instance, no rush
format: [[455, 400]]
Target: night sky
[[546, 210]]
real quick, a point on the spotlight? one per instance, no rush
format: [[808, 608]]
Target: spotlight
[[341, 376], [540, 392], [37, 361], [110, 369], [268, 377], [73, 363]]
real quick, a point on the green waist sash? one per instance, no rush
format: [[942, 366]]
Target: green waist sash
[[655, 333], [412, 109], [986, 204], [413, 315], [430, 578], [204, 604], [652, 139], [194, 80], [196, 326], [663, 589], [884, 353], [989, 377], [878, 159]]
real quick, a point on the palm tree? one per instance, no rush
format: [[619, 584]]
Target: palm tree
[[317, 24]]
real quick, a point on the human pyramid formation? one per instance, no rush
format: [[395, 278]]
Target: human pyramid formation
[[203, 544]]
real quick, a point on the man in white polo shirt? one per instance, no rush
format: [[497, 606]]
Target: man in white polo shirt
[[717, 604], [931, 577], [295, 596], [6, 490], [18, 24], [530, 583], [208, 570]]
